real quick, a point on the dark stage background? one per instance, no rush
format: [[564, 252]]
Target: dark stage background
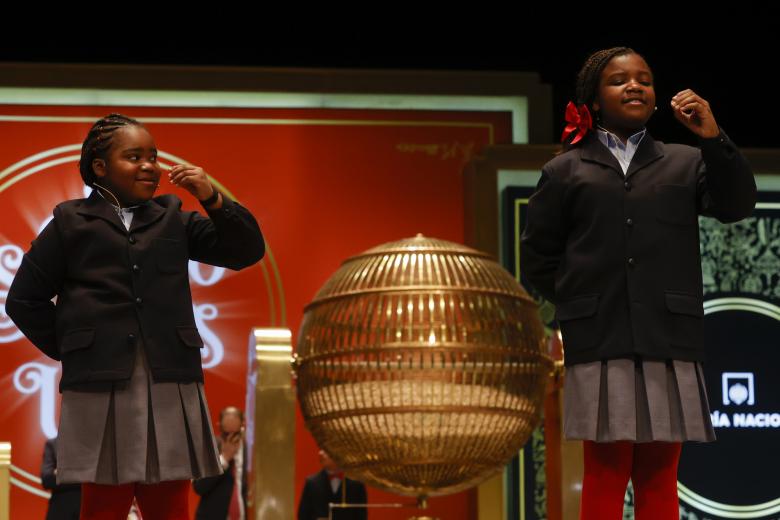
[[729, 56]]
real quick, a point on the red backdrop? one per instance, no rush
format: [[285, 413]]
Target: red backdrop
[[324, 184]]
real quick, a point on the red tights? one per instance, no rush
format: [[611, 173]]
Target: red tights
[[652, 468], [163, 501]]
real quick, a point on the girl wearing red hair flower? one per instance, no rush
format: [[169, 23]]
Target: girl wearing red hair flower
[[612, 240]]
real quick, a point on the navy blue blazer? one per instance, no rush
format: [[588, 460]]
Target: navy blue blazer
[[114, 286], [318, 493], [618, 254]]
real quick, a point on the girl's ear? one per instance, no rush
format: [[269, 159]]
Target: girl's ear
[[595, 107], [99, 167]]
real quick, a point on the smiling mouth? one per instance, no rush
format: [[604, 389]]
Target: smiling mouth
[[634, 101]]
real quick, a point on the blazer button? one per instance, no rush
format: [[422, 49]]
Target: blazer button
[[139, 300], [131, 338], [629, 222], [136, 268], [631, 262], [627, 185], [131, 239]]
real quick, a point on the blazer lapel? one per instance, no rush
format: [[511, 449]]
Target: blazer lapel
[[96, 206], [145, 215], [594, 150], [648, 152]]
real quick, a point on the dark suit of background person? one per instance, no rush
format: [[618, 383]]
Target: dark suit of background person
[[216, 492], [318, 493], [620, 293], [65, 500]]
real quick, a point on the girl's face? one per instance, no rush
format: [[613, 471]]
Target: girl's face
[[130, 169], [625, 97]]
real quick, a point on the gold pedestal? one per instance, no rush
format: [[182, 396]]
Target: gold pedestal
[[270, 418], [5, 480]]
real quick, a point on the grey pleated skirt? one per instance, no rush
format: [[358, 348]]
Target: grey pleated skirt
[[640, 401], [141, 431]]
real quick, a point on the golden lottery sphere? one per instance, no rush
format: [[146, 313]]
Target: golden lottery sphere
[[421, 367]]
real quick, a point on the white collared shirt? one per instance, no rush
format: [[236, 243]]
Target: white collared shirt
[[335, 482], [622, 152], [125, 214]]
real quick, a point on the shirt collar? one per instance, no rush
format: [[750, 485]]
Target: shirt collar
[[128, 208], [611, 140]]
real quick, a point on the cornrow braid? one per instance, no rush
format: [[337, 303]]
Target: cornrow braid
[[588, 78], [590, 74], [98, 142]]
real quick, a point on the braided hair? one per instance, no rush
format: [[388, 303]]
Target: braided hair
[[590, 73], [98, 142], [587, 86]]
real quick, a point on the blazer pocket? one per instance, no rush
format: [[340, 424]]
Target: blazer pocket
[[684, 303], [190, 336], [684, 319], [77, 339], [578, 318], [168, 255], [579, 307], [675, 204]]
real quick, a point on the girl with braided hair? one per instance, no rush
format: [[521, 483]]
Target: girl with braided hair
[[611, 238], [134, 418]]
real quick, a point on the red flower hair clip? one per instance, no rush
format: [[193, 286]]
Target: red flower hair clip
[[578, 120]]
